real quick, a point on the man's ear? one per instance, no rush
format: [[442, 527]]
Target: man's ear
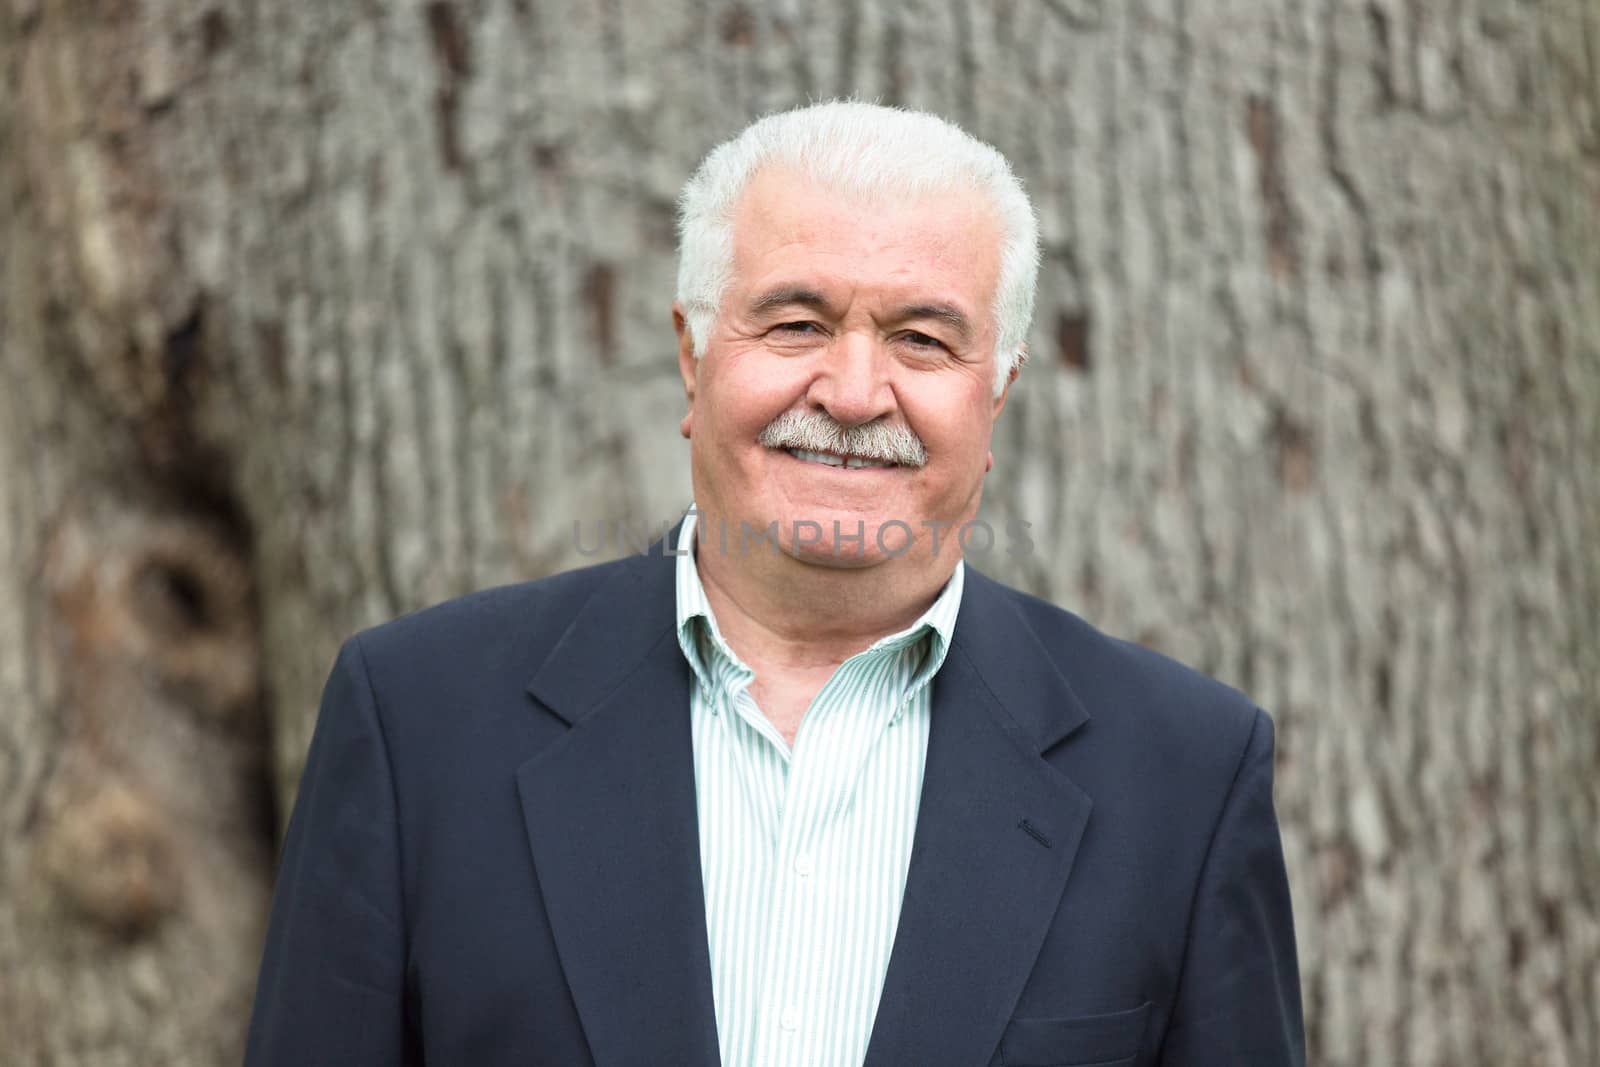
[[688, 365]]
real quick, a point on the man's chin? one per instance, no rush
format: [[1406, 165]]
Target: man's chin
[[848, 556], [848, 541]]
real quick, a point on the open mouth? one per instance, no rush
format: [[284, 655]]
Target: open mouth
[[829, 459]]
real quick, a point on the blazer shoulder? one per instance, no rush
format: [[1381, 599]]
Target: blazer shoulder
[[1137, 692], [518, 616]]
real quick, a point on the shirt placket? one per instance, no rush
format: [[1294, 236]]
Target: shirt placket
[[822, 771]]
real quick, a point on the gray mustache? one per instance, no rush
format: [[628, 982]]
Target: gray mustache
[[816, 432]]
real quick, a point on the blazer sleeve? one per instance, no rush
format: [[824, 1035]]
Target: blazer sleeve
[[331, 987], [1238, 999]]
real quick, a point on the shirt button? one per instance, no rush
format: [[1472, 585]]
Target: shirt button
[[790, 1020], [802, 865]]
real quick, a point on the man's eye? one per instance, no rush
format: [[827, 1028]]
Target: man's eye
[[922, 340], [796, 327]]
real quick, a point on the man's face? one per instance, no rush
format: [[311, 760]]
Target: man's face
[[858, 315]]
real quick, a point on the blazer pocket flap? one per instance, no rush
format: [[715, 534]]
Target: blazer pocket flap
[[1077, 1040]]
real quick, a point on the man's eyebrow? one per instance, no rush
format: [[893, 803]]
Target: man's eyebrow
[[948, 314], [798, 295], [787, 295]]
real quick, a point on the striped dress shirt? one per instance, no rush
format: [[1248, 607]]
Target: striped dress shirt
[[804, 852]]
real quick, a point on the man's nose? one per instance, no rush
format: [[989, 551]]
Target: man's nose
[[852, 380]]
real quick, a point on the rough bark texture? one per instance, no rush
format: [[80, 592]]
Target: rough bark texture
[[311, 314]]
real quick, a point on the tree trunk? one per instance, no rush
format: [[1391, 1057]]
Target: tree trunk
[[312, 314]]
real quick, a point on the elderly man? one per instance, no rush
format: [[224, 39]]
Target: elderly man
[[821, 795]]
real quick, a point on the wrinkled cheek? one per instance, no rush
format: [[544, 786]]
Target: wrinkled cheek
[[730, 472]]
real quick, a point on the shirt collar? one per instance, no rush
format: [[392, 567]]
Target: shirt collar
[[713, 661]]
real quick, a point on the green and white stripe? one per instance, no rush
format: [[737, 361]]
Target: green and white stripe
[[804, 852]]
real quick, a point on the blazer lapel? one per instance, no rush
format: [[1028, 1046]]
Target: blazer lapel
[[997, 831], [610, 816]]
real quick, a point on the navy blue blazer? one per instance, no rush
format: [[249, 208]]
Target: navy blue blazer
[[494, 857]]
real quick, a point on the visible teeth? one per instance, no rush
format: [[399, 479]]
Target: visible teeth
[[817, 457], [853, 463]]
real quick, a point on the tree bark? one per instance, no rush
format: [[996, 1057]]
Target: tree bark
[[312, 314]]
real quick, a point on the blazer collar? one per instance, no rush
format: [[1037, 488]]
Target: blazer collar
[[609, 811], [613, 632], [1018, 670], [997, 832], [610, 817]]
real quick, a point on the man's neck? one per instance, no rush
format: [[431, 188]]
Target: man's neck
[[782, 614]]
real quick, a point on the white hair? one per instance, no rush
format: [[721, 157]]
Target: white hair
[[867, 151]]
